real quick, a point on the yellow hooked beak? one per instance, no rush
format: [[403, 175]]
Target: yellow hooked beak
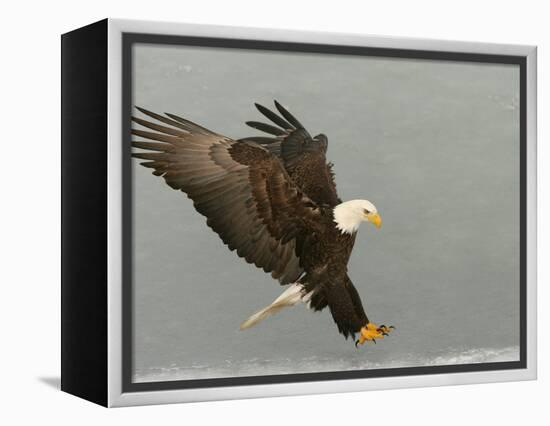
[[375, 219]]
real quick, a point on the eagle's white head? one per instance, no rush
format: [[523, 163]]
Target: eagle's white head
[[349, 215]]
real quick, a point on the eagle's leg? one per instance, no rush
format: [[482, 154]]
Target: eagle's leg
[[371, 332]]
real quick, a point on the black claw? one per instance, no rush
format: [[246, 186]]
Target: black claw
[[374, 340], [382, 326], [385, 334], [356, 343]]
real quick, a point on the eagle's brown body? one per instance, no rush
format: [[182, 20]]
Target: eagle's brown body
[[271, 199]]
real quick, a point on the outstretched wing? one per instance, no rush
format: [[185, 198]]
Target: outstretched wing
[[242, 189], [304, 157]]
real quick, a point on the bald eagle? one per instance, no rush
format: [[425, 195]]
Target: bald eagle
[[273, 200]]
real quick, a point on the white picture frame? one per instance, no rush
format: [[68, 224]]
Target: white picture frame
[[106, 379]]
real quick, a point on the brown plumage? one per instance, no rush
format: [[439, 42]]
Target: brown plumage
[[270, 199]]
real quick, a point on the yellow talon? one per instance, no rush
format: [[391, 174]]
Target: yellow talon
[[371, 332]]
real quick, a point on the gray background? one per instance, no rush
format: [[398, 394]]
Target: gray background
[[435, 145]]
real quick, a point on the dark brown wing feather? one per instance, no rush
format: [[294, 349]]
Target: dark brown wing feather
[[242, 189], [304, 157]]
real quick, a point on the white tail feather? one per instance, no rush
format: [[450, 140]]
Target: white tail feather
[[290, 297]]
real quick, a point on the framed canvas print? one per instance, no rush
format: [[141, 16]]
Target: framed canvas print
[[253, 212]]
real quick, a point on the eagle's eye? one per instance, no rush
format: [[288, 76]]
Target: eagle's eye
[[365, 211]]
